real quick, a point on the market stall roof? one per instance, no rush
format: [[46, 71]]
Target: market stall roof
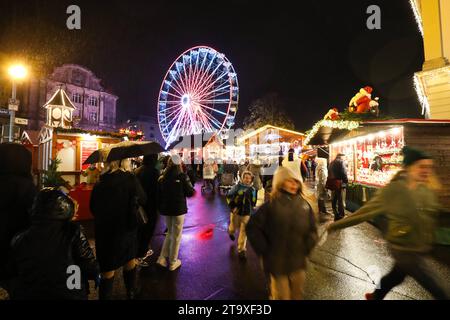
[[59, 98], [327, 131], [30, 137], [269, 127]]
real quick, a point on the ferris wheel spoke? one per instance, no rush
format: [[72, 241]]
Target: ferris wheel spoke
[[216, 92], [211, 118], [211, 85], [178, 105], [200, 86], [182, 78], [174, 95], [175, 88], [172, 102], [190, 72], [169, 116], [212, 109], [205, 74], [175, 127], [186, 78], [181, 85], [218, 101], [197, 70], [206, 124]]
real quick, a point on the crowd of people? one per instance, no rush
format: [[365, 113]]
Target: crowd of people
[[39, 240]]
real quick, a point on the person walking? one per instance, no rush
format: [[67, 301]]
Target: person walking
[[322, 193], [410, 206], [293, 162], [241, 200], [148, 176], [17, 192], [173, 188], [113, 204], [337, 180], [283, 233], [42, 255]]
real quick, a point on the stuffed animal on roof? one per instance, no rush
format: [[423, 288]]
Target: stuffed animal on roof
[[362, 101], [332, 114]]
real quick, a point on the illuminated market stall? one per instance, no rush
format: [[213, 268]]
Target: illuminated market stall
[[373, 157]]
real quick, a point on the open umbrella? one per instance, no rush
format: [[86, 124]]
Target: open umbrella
[[97, 156], [133, 149], [94, 157]]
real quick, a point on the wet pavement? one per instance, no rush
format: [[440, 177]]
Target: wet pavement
[[344, 267]]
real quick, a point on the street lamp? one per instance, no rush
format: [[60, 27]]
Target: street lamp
[[17, 72]]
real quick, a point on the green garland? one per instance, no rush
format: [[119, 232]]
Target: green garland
[[361, 117], [97, 133]]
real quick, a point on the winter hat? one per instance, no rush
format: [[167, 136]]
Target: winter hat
[[411, 155], [52, 204], [284, 173], [247, 172]]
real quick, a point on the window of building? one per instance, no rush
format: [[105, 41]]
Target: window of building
[[93, 101], [93, 117], [77, 98]]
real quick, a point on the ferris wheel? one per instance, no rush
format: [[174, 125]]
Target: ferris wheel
[[198, 94]]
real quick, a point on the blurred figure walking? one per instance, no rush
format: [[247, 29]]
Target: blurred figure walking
[[410, 206], [283, 232]]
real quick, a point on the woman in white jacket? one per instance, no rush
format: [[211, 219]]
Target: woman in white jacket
[[293, 162], [322, 194]]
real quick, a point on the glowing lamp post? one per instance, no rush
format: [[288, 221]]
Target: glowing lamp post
[[16, 72]]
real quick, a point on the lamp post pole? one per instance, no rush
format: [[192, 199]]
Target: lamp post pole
[[12, 113]]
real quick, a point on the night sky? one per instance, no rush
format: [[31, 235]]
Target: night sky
[[314, 56]]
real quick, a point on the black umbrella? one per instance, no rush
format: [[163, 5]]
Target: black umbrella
[[94, 157], [134, 149]]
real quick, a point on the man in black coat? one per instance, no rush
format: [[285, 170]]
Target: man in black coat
[[17, 192], [338, 173], [44, 256], [148, 175]]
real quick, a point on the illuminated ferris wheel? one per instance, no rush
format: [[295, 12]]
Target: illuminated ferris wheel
[[198, 94]]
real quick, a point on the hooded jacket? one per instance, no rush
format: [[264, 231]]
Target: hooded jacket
[[173, 188], [17, 192], [42, 254], [410, 215], [242, 197], [283, 231]]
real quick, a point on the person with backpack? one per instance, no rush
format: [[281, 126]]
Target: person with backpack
[[241, 201]]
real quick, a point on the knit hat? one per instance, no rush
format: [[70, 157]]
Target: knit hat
[[411, 155], [284, 173]]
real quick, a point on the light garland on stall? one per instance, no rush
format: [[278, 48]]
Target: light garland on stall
[[335, 124], [417, 15], [422, 96]]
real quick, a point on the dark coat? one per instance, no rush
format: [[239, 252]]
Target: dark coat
[[17, 192], [148, 177], [173, 188], [112, 205], [41, 256], [283, 232], [337, 170]]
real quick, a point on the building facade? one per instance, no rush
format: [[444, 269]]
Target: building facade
[[95, 107], [148, 125], [433, 82]]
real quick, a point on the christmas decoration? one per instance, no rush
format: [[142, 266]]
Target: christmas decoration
[[337, 124], [332, 114], [362, 102]]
